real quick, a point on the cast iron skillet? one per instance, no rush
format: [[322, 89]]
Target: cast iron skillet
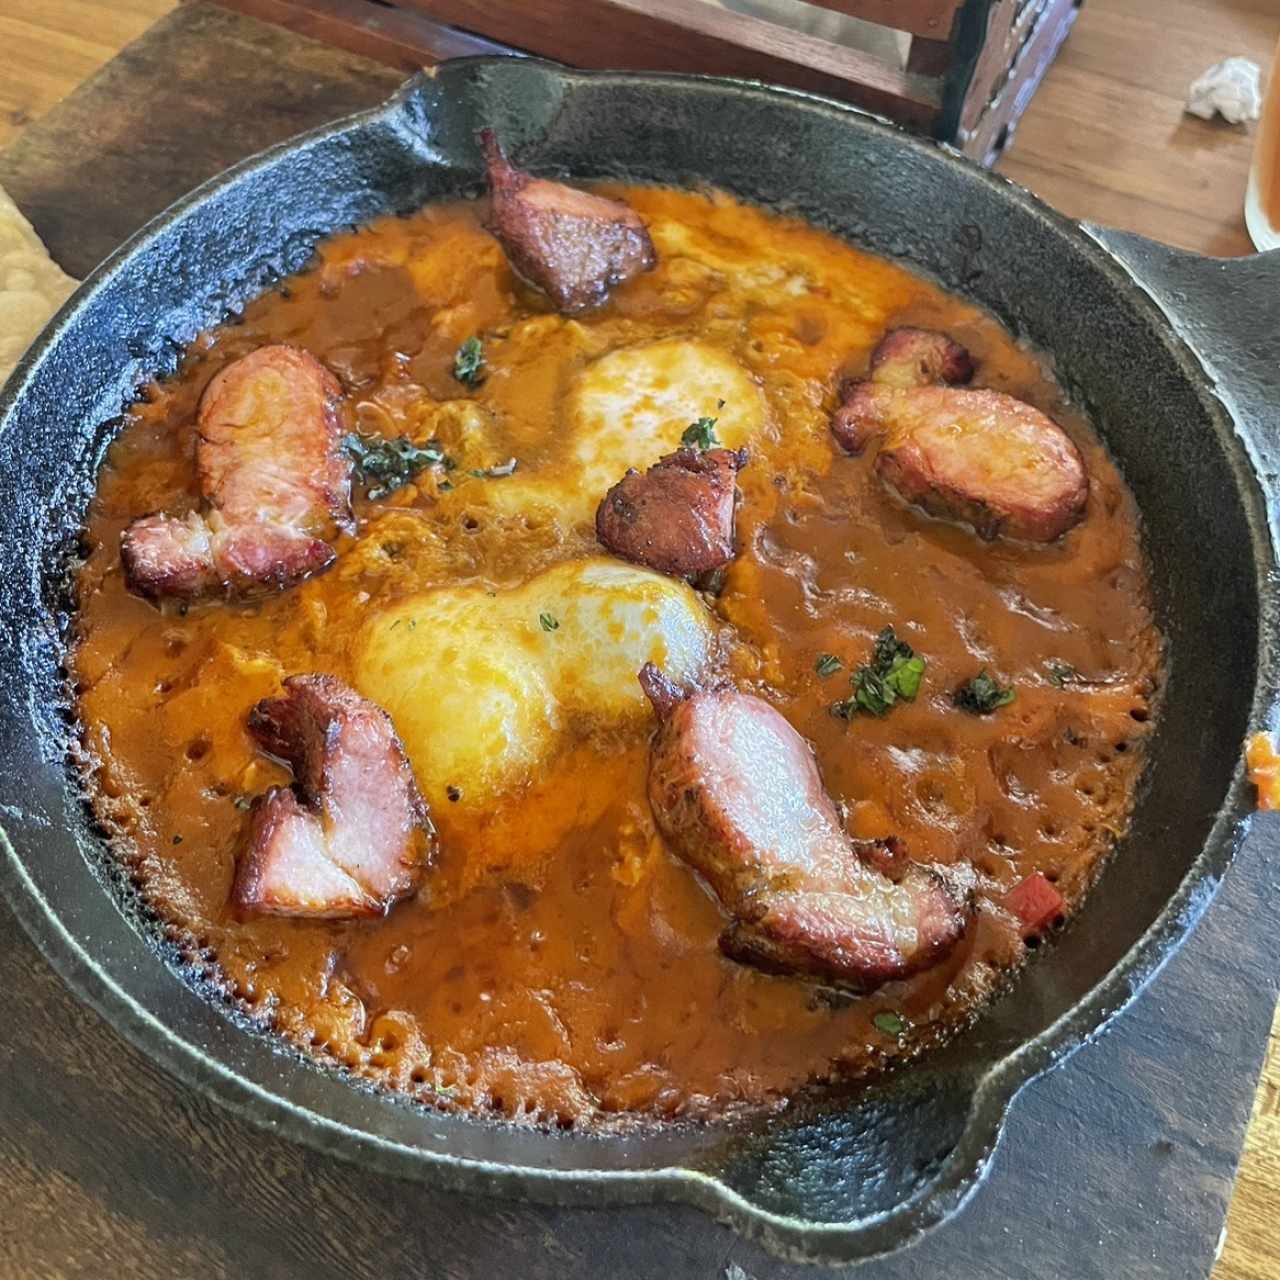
[[1178, 360]]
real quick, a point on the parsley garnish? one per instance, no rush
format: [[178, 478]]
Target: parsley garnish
[[1061, 673], [702, 434], [388, 465], [548, 622], [468, 363], [493, 473], [981, 695], [827, 664], [890, 1023], [894, 673]]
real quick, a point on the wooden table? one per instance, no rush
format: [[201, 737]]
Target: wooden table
[[1105, 139]]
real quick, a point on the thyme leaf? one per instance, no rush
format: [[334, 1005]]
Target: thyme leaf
[[982, 695], [893, 674], [468, 363], [1061, 673], [387, 465], [494, 473], [827, 665]]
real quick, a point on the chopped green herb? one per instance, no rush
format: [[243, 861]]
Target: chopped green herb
[[827, 665], [701, 434], [242, 803], [1061, 673], [886, 649], [890, 1023], [468, 364], [548, 622], [981, 695], [388, 465], [905, 676], [876, 693], [494, 473], [893, 674]]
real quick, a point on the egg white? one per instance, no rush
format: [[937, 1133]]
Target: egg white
[[627, 409], [631, 406], [482, 685]]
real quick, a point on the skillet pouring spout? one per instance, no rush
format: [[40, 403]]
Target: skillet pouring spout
[[844, 1175]]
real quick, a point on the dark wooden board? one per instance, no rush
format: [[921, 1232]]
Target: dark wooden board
[[680, 35], [201, 90], [397, 37], [971, 69], [1117, 1165]]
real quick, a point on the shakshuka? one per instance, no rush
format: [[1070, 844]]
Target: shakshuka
[[616, 654]]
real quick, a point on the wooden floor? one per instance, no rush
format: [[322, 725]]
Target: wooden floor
[[1105, 139]]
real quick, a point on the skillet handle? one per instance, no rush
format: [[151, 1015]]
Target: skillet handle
[[846, 1179], [1228, 311]]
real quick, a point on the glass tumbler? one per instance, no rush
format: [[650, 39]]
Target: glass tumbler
[[1262, 203]]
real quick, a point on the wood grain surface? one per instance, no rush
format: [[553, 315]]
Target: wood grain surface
[[395, 37], [1106, 137], [1105, 140], [923, 17], [676, 35], [641, 35], [47, 47]]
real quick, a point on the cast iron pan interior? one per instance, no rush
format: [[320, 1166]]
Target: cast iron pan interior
[[844, 1178]]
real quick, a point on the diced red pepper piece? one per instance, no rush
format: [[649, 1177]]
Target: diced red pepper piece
[[1035, 902]]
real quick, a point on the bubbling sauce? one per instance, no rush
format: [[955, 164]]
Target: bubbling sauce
[[558, 964]]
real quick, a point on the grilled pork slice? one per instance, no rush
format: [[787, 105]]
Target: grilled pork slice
[[677, 517], [736, 793], [977, 456], [572, 245], [269, 441], [919, 358], [353, 835], [904, 358], [980, 457], [192, 556], [273, 476]]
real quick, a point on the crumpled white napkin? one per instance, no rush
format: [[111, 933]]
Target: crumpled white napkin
[[32, 285], [1231, 88]]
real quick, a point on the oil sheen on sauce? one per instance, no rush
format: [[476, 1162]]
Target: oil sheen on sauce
[[558, 965]]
